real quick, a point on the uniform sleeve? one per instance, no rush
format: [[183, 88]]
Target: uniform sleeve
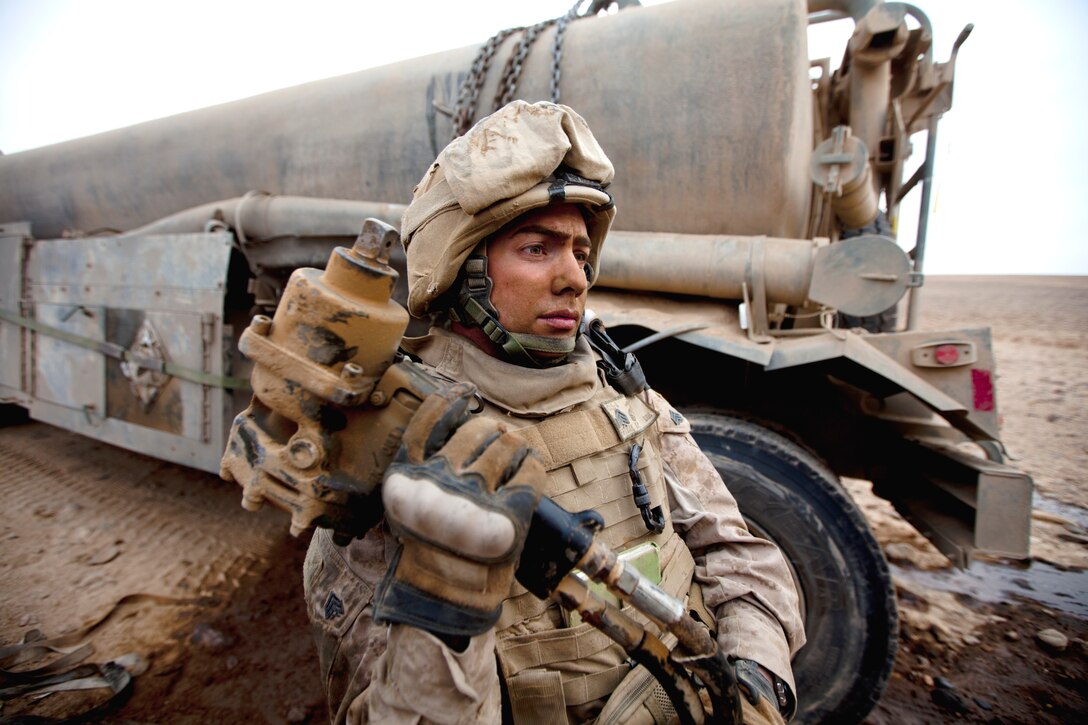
[[418, 679], [745, 580], [375, 673]]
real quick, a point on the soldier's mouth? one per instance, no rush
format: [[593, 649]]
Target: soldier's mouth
[[560, 321]]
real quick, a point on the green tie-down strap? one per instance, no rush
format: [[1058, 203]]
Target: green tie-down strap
[[115, 351]]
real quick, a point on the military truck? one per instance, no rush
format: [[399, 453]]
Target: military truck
[[753, 267]]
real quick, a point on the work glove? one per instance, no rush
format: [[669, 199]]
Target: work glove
[[460, 506], [758, 699]]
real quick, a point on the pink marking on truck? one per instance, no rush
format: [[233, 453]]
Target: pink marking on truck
[[983, 384]]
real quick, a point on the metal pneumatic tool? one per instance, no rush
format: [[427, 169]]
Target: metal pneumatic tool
[[332, 396]]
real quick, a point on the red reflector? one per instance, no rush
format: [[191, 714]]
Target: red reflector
[[984, 389], [947, 354]]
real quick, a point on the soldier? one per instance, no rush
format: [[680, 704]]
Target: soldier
[[421, 620]]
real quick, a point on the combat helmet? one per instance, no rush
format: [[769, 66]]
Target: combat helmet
[[522, 157]]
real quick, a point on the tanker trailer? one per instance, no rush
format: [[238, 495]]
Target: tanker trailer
[[750, 268]]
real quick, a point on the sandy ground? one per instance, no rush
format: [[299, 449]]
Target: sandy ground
[[209, 598]]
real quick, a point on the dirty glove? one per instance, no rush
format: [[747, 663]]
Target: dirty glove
[[461, 509]]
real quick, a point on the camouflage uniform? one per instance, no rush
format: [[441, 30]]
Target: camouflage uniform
[[402, 674]]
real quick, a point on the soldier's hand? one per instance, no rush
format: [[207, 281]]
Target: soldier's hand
[[758, 698], [461, 509], [765, 713]]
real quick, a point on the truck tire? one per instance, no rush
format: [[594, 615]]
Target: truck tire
[[887, 320], [12, 415], [848, 603]]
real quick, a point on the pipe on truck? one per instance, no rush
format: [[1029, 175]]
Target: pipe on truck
[[713, 266], [669, 91]]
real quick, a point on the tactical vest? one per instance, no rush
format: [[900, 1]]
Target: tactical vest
[[547, 665]]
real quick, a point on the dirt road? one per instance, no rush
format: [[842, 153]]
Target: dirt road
[[149, 558]]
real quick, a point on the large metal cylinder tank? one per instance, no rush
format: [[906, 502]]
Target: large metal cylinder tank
[[704, 107]]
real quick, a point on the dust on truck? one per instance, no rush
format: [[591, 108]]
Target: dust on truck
[[753, 267]]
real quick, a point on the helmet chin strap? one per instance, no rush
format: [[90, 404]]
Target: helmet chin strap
[[555, 349], [473, 307]]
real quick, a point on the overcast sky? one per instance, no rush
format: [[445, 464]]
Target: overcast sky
[[1012, 166]]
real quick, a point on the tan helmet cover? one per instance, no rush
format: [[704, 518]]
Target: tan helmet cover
[[502, 168]]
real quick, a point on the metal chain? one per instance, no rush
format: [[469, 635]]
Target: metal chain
[[469, 94], [511, 74], [557, 47]]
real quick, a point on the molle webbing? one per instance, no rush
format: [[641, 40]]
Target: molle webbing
[[603, 483], [586, 452], [677, 568], [596, 664], [592, 428]]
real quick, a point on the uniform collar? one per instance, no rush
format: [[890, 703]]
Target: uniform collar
[[517, 389]]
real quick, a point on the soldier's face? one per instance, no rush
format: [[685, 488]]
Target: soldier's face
[[536, 267]]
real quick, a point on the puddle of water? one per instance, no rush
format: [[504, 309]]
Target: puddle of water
[[1075, 514], [996, 583]]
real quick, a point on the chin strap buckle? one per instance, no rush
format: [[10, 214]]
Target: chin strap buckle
[[474, 300]]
